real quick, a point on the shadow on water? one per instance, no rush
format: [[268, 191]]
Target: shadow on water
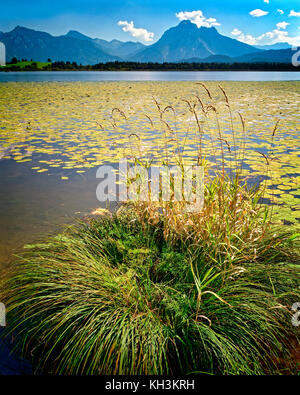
[[34, 205]]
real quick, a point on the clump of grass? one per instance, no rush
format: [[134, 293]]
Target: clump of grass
[[157, 289], [115, 296], [229, 228], [232, 224]]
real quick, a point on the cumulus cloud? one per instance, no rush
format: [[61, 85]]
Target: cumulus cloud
[[236, 32], [257, 13], [275, 36], [267, 1], [281, 12], [139, 33], [245, 38], [197, 18], [294, 13], [282, 25]]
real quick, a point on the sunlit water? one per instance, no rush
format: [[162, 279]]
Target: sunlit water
[[93, 76]]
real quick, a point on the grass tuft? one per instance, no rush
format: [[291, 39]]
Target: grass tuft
[[114, 296]]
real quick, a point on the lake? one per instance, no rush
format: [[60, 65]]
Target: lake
[[64, 76], [54, 136]]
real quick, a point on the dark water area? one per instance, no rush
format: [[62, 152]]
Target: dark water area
[[33, 205], [12, 364]]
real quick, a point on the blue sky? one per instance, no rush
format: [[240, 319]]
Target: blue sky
[[255, 22]]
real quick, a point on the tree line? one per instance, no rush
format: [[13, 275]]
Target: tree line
[[151, 66]]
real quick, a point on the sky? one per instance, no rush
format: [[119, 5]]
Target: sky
[[256, 22]]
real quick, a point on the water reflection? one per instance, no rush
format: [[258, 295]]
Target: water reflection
[[95, 76]]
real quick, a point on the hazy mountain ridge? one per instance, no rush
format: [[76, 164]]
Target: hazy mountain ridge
[[271, 56], [274, 46], [114, 47], [182, 43]]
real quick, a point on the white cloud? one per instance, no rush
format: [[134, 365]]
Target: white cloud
[[257, 13], [197, 18], [294, 13], [267, 1], [282, 25], [139, 33], [245, 38], [281, 12], [269, 38], [236, 32]]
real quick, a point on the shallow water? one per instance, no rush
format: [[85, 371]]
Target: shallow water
[[34, 205]]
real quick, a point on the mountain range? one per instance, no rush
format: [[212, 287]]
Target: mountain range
[[184, 42], [187, 40], [114, 48], [270, 56]]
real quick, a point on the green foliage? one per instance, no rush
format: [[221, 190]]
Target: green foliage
[[180, 66], [26, 66]]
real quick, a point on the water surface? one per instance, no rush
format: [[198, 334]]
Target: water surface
[[93, 76]]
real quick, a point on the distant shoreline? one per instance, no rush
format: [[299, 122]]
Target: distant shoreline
[[24, 66]]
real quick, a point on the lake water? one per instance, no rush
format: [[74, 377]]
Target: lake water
[[53, 137], [95, 76]]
